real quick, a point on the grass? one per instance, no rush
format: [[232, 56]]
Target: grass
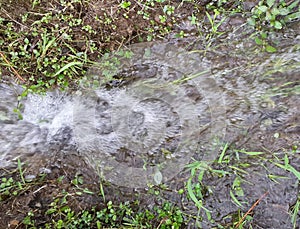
[[60, 212], [49, 50], [237, 170], [44, 50], [10, 187]]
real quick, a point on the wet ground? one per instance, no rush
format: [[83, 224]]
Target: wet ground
[[167, 103]]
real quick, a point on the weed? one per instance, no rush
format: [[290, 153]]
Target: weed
[[220, 160], [11, 187], [238, 216], [214, 30], [195, 190], [48, 52], [61, 215], [273, 14], [287, 166], [181, 34], [28, 221], [77, 182], [6, 188], [269, 15], [125, 4], [21, 171], [295, 210], [112, 216], [170, 216], [168, 9], [236, 190], [262, 41]]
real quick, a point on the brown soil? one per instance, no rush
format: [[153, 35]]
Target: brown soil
[[109, 26]]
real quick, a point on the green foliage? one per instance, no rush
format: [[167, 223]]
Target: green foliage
[[295, 210], [169, 9], [287, 166], [274, 14], [45, 53], [171, 217], [238, 216], [262, 41], [196, 189], [110, 216], [28, 221], [61, 215], [56, 49], [271, 15], [236, 191], [215, 24], [125, 4], [7, 186], [11, 187]]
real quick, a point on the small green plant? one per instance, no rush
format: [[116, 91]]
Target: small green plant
[[193, 19], [125, 4], [261, 41], [171, 217], [284, 163], [196, 189], [274, 14], [236, 190], [181, 34], [271, 15], [237, 220], [169, 9], [288, 167], [295, 210], [111, 215], [212, 32], [6, 187], [10, 187], [28, 221], [77, 182]]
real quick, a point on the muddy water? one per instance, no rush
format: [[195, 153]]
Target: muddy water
[[141, 115]]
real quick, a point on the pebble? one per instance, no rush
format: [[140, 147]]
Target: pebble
[[45, 171], [29, 178]]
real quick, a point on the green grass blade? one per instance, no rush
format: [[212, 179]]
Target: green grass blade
[[69, 65], [251, 153], [47, 46], [294, 171], [191, 193], [193, 197], [295, 213], [21, 171], [235, 200], [290, 169], [223, 153]]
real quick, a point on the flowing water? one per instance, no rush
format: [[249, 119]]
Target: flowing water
[[141, 114]]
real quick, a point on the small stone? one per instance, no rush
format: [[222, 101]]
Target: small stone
[[158, 177], [38, 205], [45, 171], [29, 178], [264, 105]]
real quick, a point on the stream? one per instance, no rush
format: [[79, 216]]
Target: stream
[[141, 114]]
